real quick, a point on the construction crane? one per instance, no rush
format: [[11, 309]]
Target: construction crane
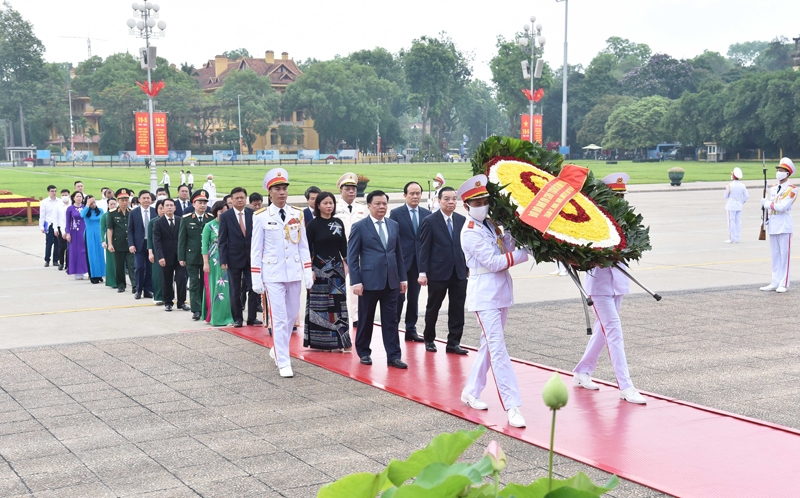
[[88, 42]]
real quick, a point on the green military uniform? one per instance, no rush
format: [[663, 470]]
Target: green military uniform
[[118, 224], [190, 242]]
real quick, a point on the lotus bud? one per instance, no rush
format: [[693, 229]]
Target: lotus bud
[[555, 393], [496, 455]]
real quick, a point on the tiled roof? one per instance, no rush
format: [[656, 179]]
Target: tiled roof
[[281, 72]]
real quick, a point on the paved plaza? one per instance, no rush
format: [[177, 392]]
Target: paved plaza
[[102, 395]]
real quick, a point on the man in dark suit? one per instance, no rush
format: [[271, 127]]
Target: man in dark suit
[[138, 220], [165, 249], [443, 268], [410, 217], [235, 236], [376, 263], [311, 197], [182, 204]]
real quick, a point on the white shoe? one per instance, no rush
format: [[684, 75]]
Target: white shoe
[[286, 372], [562, 274], [557, 272], [631, 395], [583, 380], [473, 402], [781, 289], [515, 418], [767, 288], [729, 242]]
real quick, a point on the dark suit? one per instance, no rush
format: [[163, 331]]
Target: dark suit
[[378, 269], [180, 211], [234, 251], [165, 246], [137, 237], [308, 215], [443, 262], [409, 241]]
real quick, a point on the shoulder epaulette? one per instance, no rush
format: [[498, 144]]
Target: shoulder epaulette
[[471, 224], [187, 215], [261, 210]]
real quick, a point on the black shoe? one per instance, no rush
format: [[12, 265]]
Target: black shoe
[[60, 267], [148, 295], [294, 328], [133, 291], [260, 308], [269, 329], [413, 337], [398, 363], [138, 295], [94, 281], [355, 324], [237, 324], [46, 264], [196, 315], [184, 307], [456, 350], [100, 280], [366, 360], [168, 307], [121, 290], [430, 346], [254, 322]]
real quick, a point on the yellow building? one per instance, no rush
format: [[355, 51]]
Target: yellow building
[[281, 73], [86, 125]]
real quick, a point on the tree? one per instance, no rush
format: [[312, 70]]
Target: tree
[[780, 110], [236, 54], [776, 56], [661, 75], [593, 128], [388, 67], [744, 53], [743, 98], [189, 69], [479, 114], [260, 104], [289, 134], [695, 118], [636, 124], [627, 54]]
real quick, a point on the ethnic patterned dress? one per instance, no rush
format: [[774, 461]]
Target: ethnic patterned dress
[[216, 294]]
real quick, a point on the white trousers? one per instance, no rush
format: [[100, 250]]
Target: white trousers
[[493, 354], [284, 304], [606, 330], [352, 302], [734, 225], [780, 245]]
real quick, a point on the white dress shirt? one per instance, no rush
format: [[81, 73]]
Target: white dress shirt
[[165, 180], [50, 212]]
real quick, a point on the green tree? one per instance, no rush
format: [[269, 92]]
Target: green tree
[[780, 110], [743, 98], [236, 54], [695, 118], [593, 128], [388, 67], [744, 53], [479, 114], [260, 104], [776, 56], [661, 75], [636, 124], [628, 55], [289, 134]]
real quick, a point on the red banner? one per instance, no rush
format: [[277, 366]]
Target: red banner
[[525, 132], [552, 198], [160, 133], [537, 128], [142, 134]]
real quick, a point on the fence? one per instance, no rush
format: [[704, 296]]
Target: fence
[[208, 160]]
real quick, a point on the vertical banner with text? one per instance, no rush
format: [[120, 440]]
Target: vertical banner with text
[[142, 134], [525, 132], [537, 128], [160, 133]]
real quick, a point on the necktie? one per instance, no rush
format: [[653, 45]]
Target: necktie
[[450, 227], [283, 215], [350, 207], [241, 223], [414, 220], [146, 221], [171, 223], [382, 234]]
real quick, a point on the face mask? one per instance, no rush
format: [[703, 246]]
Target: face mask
[[780, 175], [479, 213], [65, 198], [161, 197]]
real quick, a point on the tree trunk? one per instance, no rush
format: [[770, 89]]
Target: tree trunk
[[425, 120], [22, 126], [11, 132]]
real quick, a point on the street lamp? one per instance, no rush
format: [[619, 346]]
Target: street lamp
[[566, 72], [378, 143], [71, 128], [239, 105], [532, 37], [147, 13]]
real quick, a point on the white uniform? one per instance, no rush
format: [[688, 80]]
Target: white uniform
[[780, 228], [280, 257], [433, 202], [736, 195], [212, 192], [606, 286], [348, 217], [490, 292]]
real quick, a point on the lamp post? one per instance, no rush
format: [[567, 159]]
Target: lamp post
[[566, 72], [378, 143], [532, 37], [239, 106], [147, 13], [71, 128]]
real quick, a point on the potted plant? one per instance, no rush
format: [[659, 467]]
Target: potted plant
[[361, 185], [675, 176]]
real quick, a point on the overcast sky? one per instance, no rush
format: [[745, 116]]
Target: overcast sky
[[199, 29]]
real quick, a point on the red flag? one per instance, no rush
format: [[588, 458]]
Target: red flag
[[153, 90], [537, 95], [528, 93]]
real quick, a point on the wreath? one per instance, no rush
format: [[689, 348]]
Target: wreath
[[595, 229]]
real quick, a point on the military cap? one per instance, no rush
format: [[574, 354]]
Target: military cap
[[200, 195], [276, 176], [474, 188], [123, 192], [617, 181], [347, 179]]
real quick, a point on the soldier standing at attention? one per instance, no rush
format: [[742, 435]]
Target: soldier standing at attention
[[736, 195], [780, 226], [490, 292], [190, 254], [117, 233]]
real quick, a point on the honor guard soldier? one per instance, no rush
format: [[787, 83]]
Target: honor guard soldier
[[607, 287], [736, 195], [190, 254], [117, 226], [780, 225], [433, 202], [280, 263], [490, 292], [349, 210]]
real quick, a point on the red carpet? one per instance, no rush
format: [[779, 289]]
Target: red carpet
[[669, 445]]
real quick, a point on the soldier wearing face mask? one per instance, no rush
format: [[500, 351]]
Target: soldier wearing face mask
[[780, 225]]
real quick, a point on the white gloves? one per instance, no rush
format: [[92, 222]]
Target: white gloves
[[765, 202], [258, 285], [308, 278]]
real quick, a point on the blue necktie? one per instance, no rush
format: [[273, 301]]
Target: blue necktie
[[382, 234], [450, 227], [414, 220]]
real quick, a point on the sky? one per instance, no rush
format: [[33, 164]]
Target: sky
[[197, 30]]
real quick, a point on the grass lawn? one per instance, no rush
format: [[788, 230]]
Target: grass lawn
[[389, 177]]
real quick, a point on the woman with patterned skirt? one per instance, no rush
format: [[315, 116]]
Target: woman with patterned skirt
[[326, 325], [111, 277], [216, 295]]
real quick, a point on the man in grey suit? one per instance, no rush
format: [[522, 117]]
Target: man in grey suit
[[409, 217], [443, 268], [375, 259]]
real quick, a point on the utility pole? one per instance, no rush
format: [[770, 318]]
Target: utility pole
[[71, 129], [566, 73]]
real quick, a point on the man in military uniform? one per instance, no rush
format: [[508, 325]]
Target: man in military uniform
[[350, 211], [736, 195], [280, 263], [780, 225], [489, 254], [118, 240], [190, 254]]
